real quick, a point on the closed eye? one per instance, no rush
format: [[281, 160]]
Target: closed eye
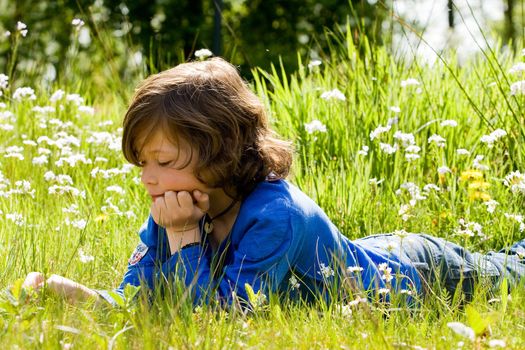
[[163, 164]]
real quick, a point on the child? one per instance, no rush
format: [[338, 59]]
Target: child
[[224, 217]]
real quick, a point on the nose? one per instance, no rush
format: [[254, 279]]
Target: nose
[[148, 176]]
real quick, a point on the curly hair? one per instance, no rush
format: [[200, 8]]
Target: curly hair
[[208, 105]]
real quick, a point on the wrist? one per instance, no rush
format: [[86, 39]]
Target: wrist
[[179, 239]]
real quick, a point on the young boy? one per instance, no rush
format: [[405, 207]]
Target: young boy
[[224, 217]]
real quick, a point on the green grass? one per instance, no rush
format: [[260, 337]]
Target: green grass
[[327, 167]]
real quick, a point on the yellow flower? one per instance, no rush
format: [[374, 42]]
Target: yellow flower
[[469, 175], [101, 217], [484, 196], [478, 185]]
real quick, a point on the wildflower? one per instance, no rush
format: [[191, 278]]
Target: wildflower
[[80, 224], [462, 330], [77, 23], [363, 151], [469, 229], [395, 109], [75, 98], [409, 82], [516, 181], [476, 164], [438, 140], [4, 80], [378, 131], [315, 125], [24, 92], [333, 94], [7, 34], [449, 122], [55, 189], [406, 291], [326, 271], [412, 156], [493, 137], [387, 272], [57, 95], [345, 310], [202, 54], [429, 187], [444, 169], [518, 68], [470, 175], [374, 181], [387, 148], [17, 218], [314, 63], [294, 283], [85, 258], [491, 205], [407, 139], [497, 343], [401, 233], [383, 291], [392, 121], [404, 210], [86, 110], [353, 269], [73, 209], [462, 152], [518, 88], [116, 189], [22, 28], [40, 160]]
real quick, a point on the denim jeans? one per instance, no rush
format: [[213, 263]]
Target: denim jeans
[[444, 264]]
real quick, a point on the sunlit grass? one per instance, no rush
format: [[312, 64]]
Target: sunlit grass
[[88, 231]]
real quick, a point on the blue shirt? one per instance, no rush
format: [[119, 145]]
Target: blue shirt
[[281, 242]]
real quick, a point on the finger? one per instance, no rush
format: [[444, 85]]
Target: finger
[[171, 200], [202, 200], [185, 201], [34, 280]]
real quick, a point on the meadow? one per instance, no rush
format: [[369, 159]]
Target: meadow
[[383, 144]]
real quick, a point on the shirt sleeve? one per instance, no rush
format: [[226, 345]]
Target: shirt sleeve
[[259, 258]]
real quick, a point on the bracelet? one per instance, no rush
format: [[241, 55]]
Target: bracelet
[[190, 245]]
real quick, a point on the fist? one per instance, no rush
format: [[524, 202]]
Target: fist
[[34, 280], [180, 211]]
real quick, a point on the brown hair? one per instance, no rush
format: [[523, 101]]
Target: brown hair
[[208, 105]]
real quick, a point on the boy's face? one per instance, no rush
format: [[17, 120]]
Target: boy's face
[[162, 167]]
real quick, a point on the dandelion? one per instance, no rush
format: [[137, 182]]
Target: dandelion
[[470, 175], [314, 63], [438, 140], [85, 258], [24, 92], [333, 94], [202, 54], [409, 82], [462, 330], [22, 28], [518, 68], [378, 131], [491, 205], [314, 125], [294, 283], [518, 88], [325, 271], [387, 148], [462, 152], [449, 122], [4, 81]]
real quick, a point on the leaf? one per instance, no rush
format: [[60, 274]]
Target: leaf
[[119, 299], [252, 298], [504, 291], [479, 324]]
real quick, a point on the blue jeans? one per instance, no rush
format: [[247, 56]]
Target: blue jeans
[[447, 265]]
